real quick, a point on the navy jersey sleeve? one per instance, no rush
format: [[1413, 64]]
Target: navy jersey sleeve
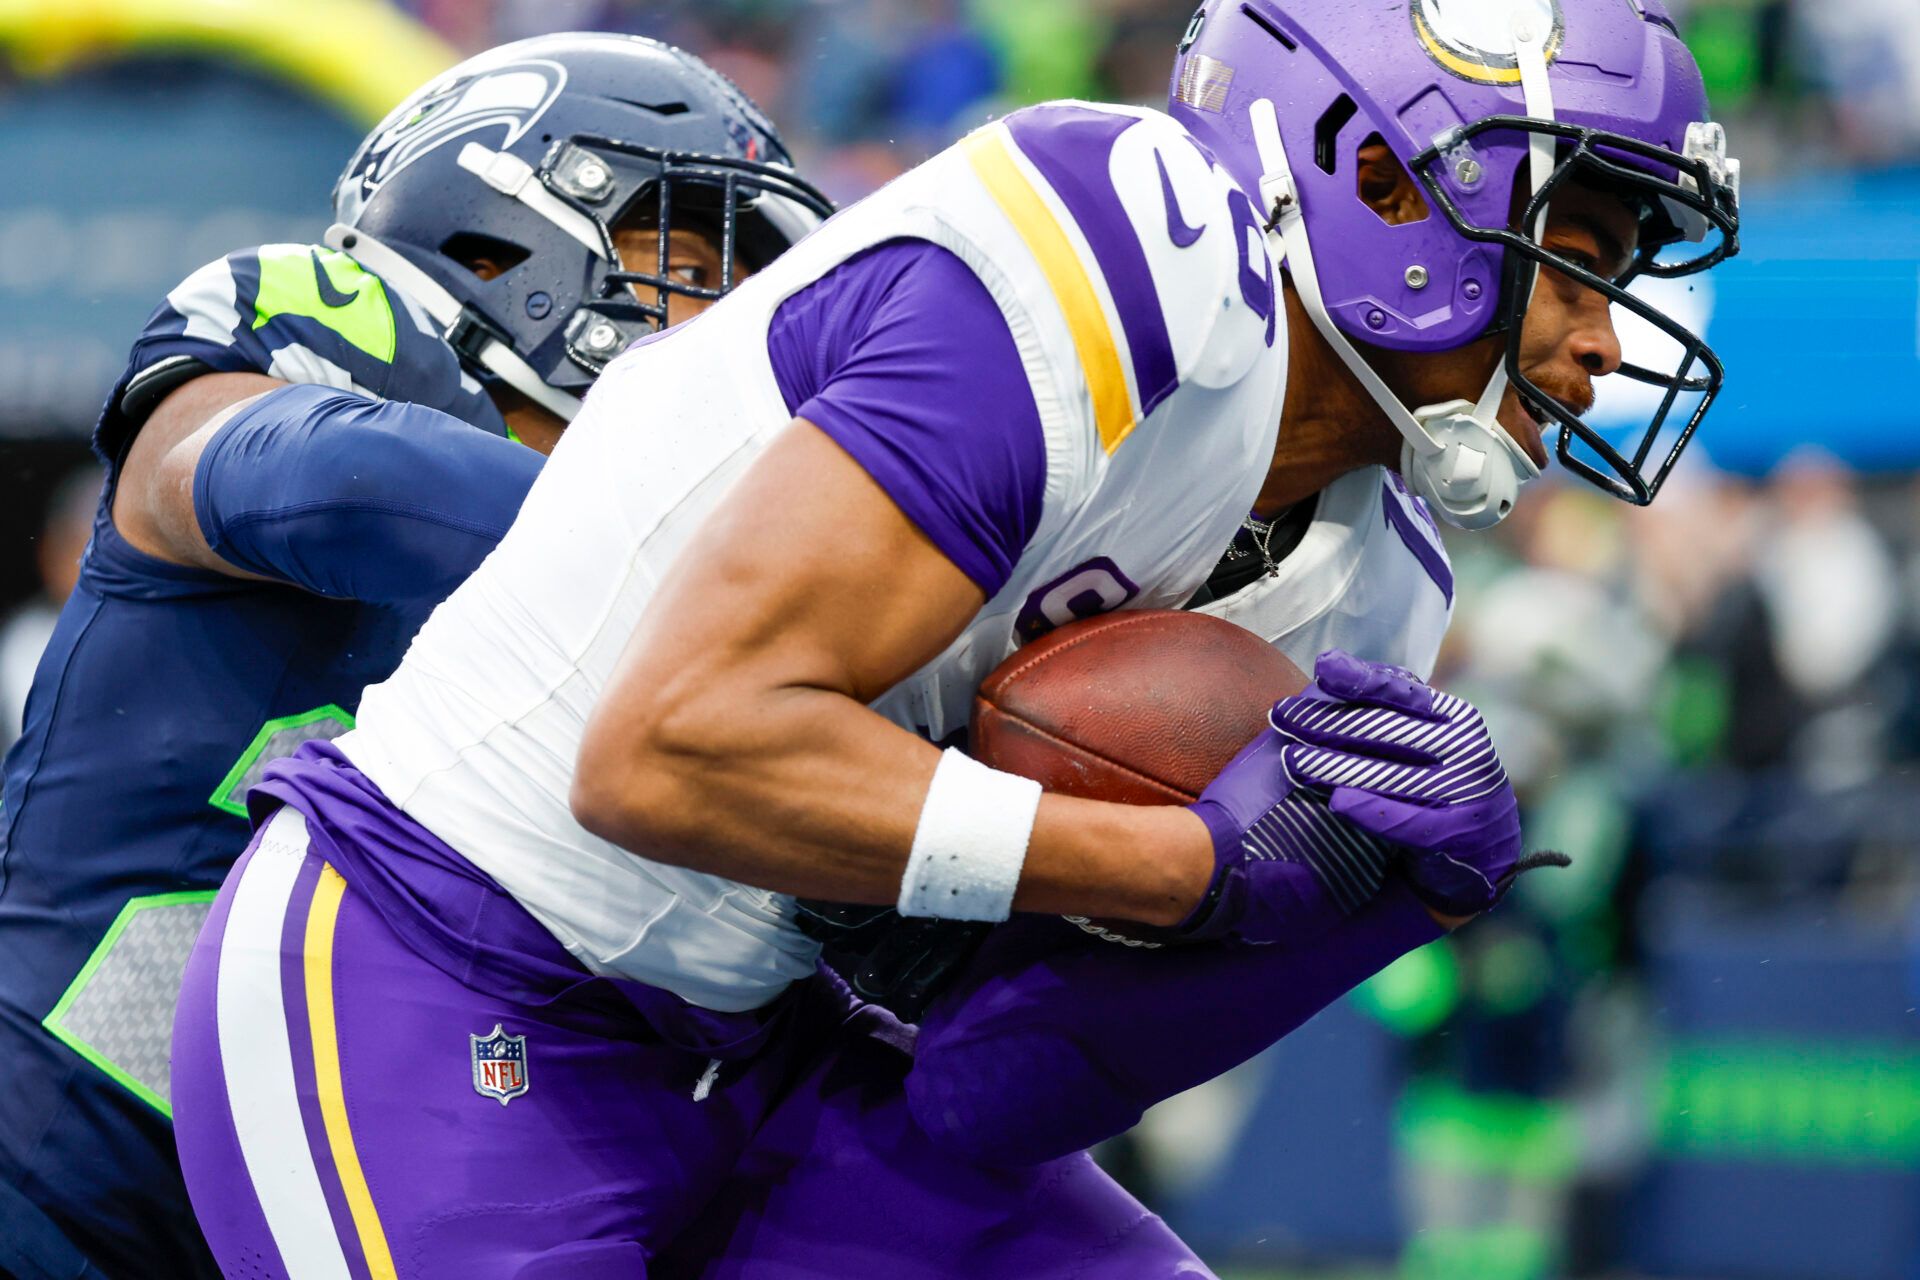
[[299, 312], [902, 356], [356, 498]]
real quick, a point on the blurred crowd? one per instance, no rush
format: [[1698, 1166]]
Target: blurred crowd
[[1723, 688], [867, 87], [864, 89], [1716, 699]]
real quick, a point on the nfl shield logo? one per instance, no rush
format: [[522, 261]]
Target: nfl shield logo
[[499, 1065]]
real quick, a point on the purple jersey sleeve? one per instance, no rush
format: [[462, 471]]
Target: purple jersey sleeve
[[902, 356]]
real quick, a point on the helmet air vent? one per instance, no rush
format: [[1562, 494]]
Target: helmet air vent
[[484, 255], [658, 108], [1266, 24]]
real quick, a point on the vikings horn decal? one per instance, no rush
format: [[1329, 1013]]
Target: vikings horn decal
[[511, 97], [1474, 38]]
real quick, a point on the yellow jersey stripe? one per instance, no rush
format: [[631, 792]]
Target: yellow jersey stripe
[[321, 917], [987, 151]]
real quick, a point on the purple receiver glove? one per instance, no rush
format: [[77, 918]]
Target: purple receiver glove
[[1413, 767], [1285, 868]]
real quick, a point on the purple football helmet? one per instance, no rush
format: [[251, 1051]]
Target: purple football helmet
[[1473, 97]]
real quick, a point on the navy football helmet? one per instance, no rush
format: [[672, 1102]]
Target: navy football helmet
[[529, 155]]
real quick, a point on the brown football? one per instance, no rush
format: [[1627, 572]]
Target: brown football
[[1140, 707]]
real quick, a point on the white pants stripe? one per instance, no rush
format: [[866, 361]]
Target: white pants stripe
[[257, 1057]]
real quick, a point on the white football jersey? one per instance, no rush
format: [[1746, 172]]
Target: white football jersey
[[1134, 280], [1370, 575]]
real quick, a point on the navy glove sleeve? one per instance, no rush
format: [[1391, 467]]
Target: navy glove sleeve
[[360, 499]]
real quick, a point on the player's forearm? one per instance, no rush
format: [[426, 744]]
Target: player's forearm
[[820, 797], [1150, 863], [736, 735], [355, 497]]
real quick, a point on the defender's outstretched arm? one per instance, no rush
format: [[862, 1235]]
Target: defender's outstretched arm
[[342, 494]]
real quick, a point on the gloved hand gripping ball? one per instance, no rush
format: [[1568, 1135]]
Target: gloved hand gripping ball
[[1368, 766], [1285, 867], [1415, 768]]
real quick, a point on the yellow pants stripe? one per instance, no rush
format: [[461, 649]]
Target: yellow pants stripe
[[988, 152], [321, 918]]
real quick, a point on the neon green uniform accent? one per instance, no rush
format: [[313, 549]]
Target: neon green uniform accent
[[126, 988], [276, 738], [289, 286]]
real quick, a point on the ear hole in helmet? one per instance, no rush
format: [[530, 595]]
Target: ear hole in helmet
[[1384, 185], [486, 256], [1326, 133]]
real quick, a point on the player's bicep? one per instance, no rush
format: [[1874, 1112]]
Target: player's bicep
[[810, 576], [849, 555], [343, 495], [153, 504]]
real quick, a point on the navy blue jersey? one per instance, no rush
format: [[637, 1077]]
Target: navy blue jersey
[[302, 313], [165, 690]]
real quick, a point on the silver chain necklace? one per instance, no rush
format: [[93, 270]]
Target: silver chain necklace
[[1262, 536]]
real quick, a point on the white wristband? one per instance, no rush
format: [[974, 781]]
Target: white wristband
[[971, 842]]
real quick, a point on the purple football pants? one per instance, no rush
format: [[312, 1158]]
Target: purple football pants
[[331, 1120], [842, 1182], [1051, 1041], [344, 1108], [950, 1163]]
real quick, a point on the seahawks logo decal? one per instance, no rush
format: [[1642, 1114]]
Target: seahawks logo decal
[[1473, 39], [510, 97]]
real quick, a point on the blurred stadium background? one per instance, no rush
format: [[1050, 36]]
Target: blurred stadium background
[[1696, 1055]]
